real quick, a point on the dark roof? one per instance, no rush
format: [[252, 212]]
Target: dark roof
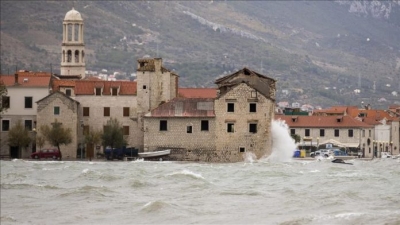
[[255, 80], [185, 107]]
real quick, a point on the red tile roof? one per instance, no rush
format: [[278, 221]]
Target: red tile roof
[[322, 121], [197, 92], [27, 79], [62, 83], [185, 107], [87, 87]]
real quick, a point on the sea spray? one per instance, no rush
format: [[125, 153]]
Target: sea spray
[[283, 145]]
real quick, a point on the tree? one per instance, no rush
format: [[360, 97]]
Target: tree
[[113, 135], [40, 141], [3, 93], [57, 135], [18, 136], [92, 138], [296, 138]]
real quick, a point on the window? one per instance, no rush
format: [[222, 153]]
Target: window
[[253, 107], [363, 133], [231, 107], [321, 132], [114, 91], [5, 102], [253, 128], [230, 127], [292, 131], [350, 133], [56, 110], [204, 125], [125, 130], [242, 149], [163, 125], [98, 91], [369, 133], [106, 111], [86, 111], [126, 111], [254, 94], [144, 87], [86, 129], [189, 129], [28, 102], [5, 125], [28, 125], [336, 132], [307, 132], [68, 92]]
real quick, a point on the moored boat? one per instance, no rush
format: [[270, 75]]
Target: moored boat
[[154, 154]]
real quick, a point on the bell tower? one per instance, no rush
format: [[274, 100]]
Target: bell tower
[[73, 47]]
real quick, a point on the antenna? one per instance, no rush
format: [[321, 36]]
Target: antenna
[[16, 68], [157, 50], [359, 81], [51, 69]]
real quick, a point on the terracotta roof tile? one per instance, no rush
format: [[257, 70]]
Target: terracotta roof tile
[[27, 79], [322, 121], [62, 83], [197, 92]]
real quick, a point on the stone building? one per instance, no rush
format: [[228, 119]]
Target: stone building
[[223, 129], [60, 108]]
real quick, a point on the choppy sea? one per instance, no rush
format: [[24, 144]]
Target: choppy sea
[[250, 192]]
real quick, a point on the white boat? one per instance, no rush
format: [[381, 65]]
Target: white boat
[[154, 154], [387, 155]]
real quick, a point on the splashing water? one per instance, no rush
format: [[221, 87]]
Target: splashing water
[[283, 145], [249, 157]]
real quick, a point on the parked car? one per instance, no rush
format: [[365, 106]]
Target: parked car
[[50, 153], [322, 152]]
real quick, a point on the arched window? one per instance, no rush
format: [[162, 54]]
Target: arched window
[[69, 56], [83, 56], [76, 56], [69, 32], [76, 32], [63, 56]]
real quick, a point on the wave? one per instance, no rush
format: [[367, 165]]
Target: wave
[[187, 173], [155, 206]]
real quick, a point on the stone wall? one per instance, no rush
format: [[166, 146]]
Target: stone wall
[[177, 138], [68, 117], [96, 119], [228, 144]]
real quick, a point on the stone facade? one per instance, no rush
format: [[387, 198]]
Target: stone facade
[[68, 114], [233, 145], [96, 119], [239, 122]]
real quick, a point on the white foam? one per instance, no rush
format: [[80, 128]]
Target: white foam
[[283, 145]]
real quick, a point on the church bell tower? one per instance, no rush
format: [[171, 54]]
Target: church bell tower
[[73, 47]]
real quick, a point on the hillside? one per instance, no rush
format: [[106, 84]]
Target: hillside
[[319, 51]]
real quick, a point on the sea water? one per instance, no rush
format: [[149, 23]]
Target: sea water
[[273, 190]]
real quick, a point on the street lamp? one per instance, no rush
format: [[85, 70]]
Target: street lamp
[[391, 147]]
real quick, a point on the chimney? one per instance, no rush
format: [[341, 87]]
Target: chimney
[[16, 78]]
